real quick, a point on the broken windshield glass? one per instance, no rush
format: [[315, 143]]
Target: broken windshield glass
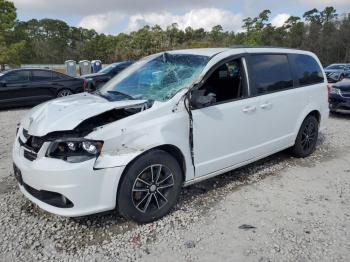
[[157, 77]]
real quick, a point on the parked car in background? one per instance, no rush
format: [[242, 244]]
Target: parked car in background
[[132, 145], [27, 87], [95, 80], [337, 72], [339, 96]]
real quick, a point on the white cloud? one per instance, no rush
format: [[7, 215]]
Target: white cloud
[[196, 18], [279, 19], [324, 3], [102, 23], [86, 7]]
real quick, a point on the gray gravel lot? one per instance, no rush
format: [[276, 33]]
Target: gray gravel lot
[[279, 209]]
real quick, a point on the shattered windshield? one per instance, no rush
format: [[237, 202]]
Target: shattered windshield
[[157, 77]]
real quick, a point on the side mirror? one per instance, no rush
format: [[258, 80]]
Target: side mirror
[[2, 83], [200, 100]]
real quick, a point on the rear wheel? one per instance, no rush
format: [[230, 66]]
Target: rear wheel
[[306, 140], [64, 92], [150, 187]]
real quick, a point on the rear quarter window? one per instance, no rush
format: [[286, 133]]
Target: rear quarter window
[[269, 73], [59, 76], [307, 69]]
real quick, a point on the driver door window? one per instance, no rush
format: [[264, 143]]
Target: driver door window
[[226, 82]]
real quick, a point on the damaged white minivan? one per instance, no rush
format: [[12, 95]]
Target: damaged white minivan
[[169, 120]]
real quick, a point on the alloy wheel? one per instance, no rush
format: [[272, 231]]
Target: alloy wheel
[[308, 136], [152, 187], [63, 93]]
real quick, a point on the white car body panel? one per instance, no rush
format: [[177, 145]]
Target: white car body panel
[[225, 136]]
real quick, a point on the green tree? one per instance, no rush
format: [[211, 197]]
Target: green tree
[[9, 50]]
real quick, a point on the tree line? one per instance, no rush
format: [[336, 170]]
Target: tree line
[[51, 41]]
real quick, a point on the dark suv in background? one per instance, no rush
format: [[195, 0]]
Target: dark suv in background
[[337, 72], [27, 87], [339, 96], [95, 80]]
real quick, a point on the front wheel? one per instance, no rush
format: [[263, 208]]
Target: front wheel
[[64, 92], [150, 187], [306, 140]]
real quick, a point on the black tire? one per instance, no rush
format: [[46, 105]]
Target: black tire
[[134, 193], [306, 140], [64, 92], [341, 77]]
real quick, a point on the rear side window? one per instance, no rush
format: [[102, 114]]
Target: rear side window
[[307, 70], [58, 76], [41, 75], [269, 73]]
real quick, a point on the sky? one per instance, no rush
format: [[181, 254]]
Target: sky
[[115, 16]]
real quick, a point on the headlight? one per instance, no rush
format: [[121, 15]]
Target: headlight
[[335, 91], [74, 150], [334, 74]]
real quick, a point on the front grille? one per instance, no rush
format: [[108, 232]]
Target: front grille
[[25, 133], [34, 143], [345, 94], [31, 156]]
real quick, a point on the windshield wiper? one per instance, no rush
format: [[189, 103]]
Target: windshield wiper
[[114, 92], [98, 92]]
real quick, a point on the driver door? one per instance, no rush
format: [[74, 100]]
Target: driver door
[[224, 134]]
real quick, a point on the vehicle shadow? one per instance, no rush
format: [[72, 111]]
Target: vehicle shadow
[[339, 115]]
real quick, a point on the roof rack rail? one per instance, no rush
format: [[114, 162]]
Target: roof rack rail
[[260, 46]]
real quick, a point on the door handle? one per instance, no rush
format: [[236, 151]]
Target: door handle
[[266, 105], [249, 109]]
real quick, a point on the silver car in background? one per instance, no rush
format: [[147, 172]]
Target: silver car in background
[[337, 72]]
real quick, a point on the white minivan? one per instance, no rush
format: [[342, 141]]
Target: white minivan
[[169, 120]]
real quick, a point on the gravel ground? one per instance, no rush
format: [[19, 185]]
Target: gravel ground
[[278, 209]]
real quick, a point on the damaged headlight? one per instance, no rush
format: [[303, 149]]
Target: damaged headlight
[[74, 150]]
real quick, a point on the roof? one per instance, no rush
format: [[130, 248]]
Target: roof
[[236, 49], [199, 51], [28, 68]]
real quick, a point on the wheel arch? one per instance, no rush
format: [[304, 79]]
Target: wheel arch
[[170, 149], [314, 112]]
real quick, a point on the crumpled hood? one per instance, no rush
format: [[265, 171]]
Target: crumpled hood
[[68, 112]]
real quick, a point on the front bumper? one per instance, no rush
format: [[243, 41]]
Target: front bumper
[[90, 191], [339, 103]]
